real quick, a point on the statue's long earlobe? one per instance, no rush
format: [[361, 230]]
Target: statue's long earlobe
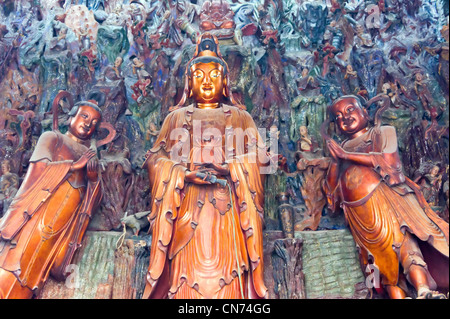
[[225, 88]]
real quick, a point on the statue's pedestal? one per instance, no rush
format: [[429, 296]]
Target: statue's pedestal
[[331, 265], [100, 271], [320, 264], [317, 265]]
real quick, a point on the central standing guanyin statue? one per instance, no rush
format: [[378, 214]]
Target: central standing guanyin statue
[[206, 178]]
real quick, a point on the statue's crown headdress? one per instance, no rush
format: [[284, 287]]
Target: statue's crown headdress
[[207, 50]]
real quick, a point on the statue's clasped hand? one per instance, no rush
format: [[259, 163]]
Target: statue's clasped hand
[[194, 177], [336, 150], [217, 169], [207, 174], [88, 159], [92, 169]]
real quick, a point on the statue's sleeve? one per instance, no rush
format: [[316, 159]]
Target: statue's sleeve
[[30, 198], [248, 185], [45, 147], [387, 163], [75, 234], [331, 187], [385, 158], [166, 182]]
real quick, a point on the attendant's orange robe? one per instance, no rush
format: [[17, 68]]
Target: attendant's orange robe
[[391, 212], [46, 221], [196, 229]]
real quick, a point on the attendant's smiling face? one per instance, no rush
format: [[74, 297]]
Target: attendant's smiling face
[[350, 117], [84, 123], [207, 82]]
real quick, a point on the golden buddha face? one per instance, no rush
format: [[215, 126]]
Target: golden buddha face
[[350, 117], [84, 123], [207, 83]]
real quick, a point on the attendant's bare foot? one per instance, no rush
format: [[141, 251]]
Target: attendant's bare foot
[[426, 293]]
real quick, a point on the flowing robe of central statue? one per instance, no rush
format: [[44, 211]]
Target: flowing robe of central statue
[[198, 230]]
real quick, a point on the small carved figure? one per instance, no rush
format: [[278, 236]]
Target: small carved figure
[[446, 189], [152, 133], [328, 52], [430, 185], [6, 172], [216, 18], [422, 91], [312, 167], [368, 60], [7, 192], [269, 32], [352, 79], [141, 87], [313, 21], [9, 183], [333, 35], [305, 143], [286, 215], [309, 108], [136, 222], [442, 50], [59, 43], [117, 67], [178, 19]]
